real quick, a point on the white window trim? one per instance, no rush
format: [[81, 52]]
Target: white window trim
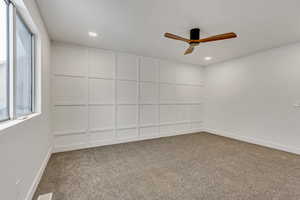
[[33, 55], [36, 77], [9, 123]]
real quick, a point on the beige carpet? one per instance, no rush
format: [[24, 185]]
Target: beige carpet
[[187, 167]]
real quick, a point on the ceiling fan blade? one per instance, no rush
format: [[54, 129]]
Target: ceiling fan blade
[[217, 37], [176, 37], [189, 50]]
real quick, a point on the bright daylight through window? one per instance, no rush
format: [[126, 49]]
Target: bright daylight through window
[[3, 61], [23, 69], [16, 67]]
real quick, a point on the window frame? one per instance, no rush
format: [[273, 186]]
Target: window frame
[[33, 55], [7, 64], [12, 14]]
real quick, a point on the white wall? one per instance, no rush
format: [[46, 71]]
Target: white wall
[[253, 98], [24, 147], [103, 97]]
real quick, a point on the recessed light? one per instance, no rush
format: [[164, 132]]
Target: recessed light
[[208, 58], [93, 34]]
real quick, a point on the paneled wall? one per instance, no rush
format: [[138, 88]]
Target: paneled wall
[[101, 97]]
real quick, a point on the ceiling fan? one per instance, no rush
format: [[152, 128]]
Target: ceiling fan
[[195, 38]]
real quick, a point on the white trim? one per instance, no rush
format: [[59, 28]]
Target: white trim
[[102, 78], [254, 141], [126, 127], [84, 141], [9, 123], [68, 76], [100, 104], [70, 105], [181, 84], [115, 71], [138, 96], [100, 129], [77, 146], [38, 176], [76, 132], [124, 79], [70, 132], [148, 125], [12, 60], [175, 123], [178, 103]]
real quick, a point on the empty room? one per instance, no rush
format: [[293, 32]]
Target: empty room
[[149, 100]]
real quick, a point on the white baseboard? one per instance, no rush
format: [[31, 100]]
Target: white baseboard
[[71, 147], [38, 176], [254, 141]]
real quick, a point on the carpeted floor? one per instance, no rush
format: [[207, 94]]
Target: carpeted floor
[[187, 167]]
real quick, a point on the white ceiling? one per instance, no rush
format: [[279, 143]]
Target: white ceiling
[[137, 26]]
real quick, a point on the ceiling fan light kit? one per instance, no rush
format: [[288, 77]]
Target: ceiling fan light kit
[[195, 38]]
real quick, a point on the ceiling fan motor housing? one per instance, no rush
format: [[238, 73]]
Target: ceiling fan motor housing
[[195, 34]]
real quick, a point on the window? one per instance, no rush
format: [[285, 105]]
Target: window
[[23, 69], [16, 64], [3, 61]]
